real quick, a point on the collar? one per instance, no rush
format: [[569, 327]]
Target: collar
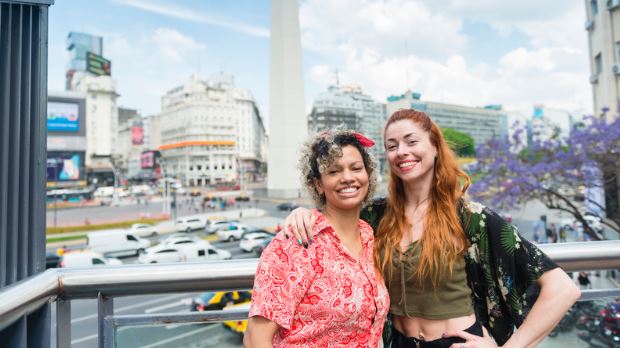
[[321, 225]]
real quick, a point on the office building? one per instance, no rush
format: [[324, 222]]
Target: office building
[[211, 132], [481, 123], [348, 106], [78, 44]]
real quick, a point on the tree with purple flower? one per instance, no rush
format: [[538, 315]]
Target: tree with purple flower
[[553, 170]]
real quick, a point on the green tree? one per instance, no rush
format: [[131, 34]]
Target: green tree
[[461, 143]]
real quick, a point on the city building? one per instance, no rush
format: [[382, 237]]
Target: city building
[[481, 123], [66, 139], [78, 45], [102, 125], [130, 144], [603, 30], [348, 106], [211, 132]]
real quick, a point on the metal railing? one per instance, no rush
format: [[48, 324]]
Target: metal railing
[[105, 283]]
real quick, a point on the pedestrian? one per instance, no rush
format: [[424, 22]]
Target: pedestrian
[[328, 294], [584, 280], [562, 234], [455, 270]]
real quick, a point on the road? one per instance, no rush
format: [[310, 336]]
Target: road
[[84, 319]]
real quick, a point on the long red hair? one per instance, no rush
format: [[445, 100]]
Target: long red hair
[[444, 239]]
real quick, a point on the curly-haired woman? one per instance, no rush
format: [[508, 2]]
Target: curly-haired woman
[[455, 270], [328, 294]]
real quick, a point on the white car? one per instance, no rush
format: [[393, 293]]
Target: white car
[[164, 253], [214, 226], [252, 240], [87, 259], [181, 236], [143, 230], [232, 233], [160, 254], [189, 223]]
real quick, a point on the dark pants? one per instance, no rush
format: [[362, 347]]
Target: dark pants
[[401, 341]]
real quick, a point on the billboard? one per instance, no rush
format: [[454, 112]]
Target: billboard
[[147, 160], [65, 166], [63, 117], [137, 134], [98, 65]]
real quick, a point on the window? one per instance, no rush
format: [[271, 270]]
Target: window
[[201, 252], [598, 64], [98, 261], [130, 237], [594, 7], [212, 252]]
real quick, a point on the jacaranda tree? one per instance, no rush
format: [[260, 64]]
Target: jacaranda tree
[[551, 169]]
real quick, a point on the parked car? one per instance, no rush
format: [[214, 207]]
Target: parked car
[[189, 223], [214, 226], [250, 242], [181, 236], [87, 259], [287, 206], [163, 253], [261, 247], [143, 230], [160, 254], [116, 242], [52, 260], [232, 233], [218, 300]]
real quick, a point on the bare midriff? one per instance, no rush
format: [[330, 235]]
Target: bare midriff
[[431, 329]]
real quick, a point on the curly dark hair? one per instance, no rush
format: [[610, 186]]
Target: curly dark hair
[[322, 150]]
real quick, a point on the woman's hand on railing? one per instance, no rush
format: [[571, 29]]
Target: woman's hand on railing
[[298, 224]]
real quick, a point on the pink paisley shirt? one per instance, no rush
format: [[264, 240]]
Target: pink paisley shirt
[[321, 296]]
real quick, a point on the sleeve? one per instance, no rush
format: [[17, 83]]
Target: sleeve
[[283, 276], [518, 262], [373, 212]]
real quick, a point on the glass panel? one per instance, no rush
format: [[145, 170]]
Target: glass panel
[[224, 335], [588, 324]]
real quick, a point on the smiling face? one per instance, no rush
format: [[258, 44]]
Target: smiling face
[[410, 152], [345, 182]]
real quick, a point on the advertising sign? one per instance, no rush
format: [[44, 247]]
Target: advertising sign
[[65, 166], [98, 65], [147, 160], [62, 117], [137, 136]]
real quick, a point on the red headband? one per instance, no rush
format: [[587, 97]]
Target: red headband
[[365, 142]]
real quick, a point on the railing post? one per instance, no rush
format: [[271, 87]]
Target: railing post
[[63, 323], [105, 307], [109, 337]]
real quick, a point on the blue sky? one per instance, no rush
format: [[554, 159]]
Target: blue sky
[[472, 52]]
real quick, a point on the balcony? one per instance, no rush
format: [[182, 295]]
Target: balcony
[[105, 284]]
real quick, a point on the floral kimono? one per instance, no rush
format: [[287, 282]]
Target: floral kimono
[[501, 266]]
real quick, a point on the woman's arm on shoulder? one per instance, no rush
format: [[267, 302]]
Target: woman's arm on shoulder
[[259, 333]]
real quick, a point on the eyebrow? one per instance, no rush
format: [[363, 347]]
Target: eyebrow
[[405, 137]]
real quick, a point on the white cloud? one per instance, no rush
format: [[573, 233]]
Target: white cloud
[[390, 46], [191, 15], [173, 45]]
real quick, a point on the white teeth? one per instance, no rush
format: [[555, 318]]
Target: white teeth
[[406, 165], [348, 190]]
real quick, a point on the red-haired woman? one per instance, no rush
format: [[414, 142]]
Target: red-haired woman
[[455, 270]]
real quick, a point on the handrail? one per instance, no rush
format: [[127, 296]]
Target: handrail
[[25, 296]]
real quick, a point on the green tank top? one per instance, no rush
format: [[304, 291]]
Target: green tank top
[[409, 298]]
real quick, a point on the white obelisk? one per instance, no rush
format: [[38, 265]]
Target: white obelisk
[[288, 125]]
